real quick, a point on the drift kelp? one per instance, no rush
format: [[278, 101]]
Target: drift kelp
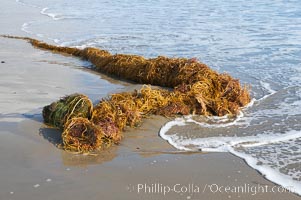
[[197, 89], [111, 115], [225, 93], [128, 108], [58, 113], [81, 135]]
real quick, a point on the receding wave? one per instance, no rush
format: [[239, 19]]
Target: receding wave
[[262, 136]]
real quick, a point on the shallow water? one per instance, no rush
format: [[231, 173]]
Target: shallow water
[[258, 42]]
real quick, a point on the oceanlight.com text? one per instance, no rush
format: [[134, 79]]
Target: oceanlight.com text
[[192, 188]]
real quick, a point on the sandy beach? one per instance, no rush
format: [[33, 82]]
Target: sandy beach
[[143, 166]]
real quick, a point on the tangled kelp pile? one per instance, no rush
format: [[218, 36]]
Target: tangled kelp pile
[[60, 112], [197, 89], [111, 116], [80, 135]]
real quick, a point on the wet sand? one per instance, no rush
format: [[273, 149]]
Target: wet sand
[[143, 166]]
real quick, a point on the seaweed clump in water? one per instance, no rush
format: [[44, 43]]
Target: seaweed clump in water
[[219, 94], [197, 89]]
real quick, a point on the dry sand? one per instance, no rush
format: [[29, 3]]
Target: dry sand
[[32, 168]]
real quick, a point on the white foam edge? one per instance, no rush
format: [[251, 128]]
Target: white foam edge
[[54, 16], [188, 118], [82, 40], [20, 2], [276, 138], [167, 127], [57, 16], [221, 119], [25, 4], [268, 88], [221, 144], [25, 27], [250, 104], [227, 144], [273, 175]]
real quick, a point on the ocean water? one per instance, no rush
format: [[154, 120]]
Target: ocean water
[[258, 42]]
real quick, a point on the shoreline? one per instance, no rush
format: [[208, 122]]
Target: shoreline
[[33, 168], [41, 169]]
